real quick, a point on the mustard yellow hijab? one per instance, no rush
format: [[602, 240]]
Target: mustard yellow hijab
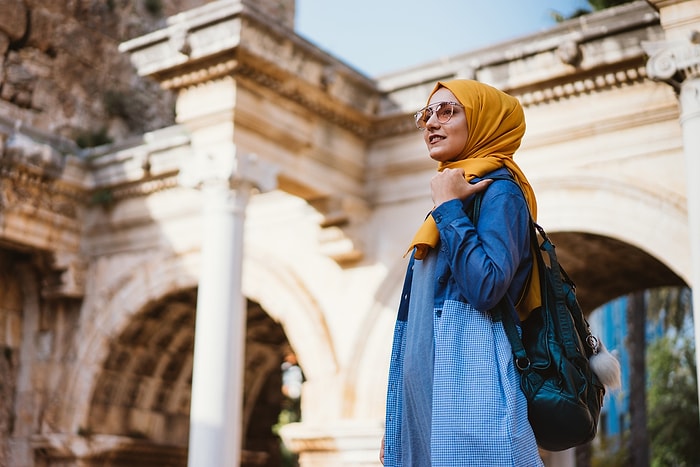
[[496, 125]]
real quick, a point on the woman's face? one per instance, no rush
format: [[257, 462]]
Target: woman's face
[[445, 141]]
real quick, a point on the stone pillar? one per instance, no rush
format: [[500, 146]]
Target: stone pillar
[[226, 181], [677, 62]]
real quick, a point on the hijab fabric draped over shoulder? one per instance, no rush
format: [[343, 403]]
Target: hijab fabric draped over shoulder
[[495, 128]]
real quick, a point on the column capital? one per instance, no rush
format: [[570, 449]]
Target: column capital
[[223, 163], [673, 61], [660, 4]]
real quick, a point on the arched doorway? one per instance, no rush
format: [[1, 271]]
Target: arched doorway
[[139, 408]]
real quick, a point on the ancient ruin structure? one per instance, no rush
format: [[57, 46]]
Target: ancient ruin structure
[[250, 177]]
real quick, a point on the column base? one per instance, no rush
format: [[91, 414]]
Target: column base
[[342, 443]]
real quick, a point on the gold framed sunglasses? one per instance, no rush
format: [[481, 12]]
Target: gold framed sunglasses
[[443, 111]]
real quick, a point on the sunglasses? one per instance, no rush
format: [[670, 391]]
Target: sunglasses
[[443, 111]]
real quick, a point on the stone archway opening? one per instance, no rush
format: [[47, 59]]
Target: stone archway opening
[[139, 410], [606, 272], [604, 268], [270, 395], [142, 394]]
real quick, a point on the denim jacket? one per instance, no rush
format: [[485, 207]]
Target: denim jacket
[[480, 264]]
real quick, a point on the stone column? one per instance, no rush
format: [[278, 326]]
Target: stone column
[[677, 62], [226, 181]]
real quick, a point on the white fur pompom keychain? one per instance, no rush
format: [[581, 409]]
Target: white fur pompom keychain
[[604, 364]]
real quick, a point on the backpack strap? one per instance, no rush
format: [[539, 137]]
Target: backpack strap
[[476, 204], [503, 312]]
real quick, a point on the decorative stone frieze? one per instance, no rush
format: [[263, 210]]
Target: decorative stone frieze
[[569, 52], [40, 202], [581, 84]]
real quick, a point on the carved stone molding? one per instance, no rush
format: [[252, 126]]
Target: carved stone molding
[[137, 168], [64, 275], [672, 61], [38, 210], [234, 39], [320, 444], [581, 84], [222, 163], [339, 238], [569, 52]]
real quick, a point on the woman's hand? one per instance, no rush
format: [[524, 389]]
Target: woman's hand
[[381, 452], [450, 184]]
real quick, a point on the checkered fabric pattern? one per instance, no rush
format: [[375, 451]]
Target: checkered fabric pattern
[[479, 411], [394, 407]]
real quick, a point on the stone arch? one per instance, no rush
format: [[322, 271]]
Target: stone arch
[[292, 305], [130, 291], [649, 218], [143, 388], [637, 234], [149, 281]]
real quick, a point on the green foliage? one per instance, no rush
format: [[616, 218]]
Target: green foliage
[[154, 7], [673, 401], [595, 5], [290, 413], [603, 4], [559, 17], [612, 451], [90, 139], [129, 106], [116, 104], [102, 197], [671, 306]]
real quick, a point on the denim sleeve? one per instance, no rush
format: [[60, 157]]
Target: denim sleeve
[[484, 260]]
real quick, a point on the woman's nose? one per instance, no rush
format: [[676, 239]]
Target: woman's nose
[[432, 121]]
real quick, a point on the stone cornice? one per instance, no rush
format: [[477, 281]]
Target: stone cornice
[[625, 74], [660, 4], [606, 24], [234, 39], [40, 183], [593, 53], [594, 81], [240, 42], [136, 168]]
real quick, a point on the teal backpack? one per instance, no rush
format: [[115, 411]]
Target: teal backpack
[[554, 353]]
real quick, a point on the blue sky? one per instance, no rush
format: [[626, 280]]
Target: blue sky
[[381, 36]]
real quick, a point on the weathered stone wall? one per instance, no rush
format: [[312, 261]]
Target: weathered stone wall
[[61, 71], [10, 336]]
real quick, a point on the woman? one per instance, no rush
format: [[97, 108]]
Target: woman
[[454, 397]]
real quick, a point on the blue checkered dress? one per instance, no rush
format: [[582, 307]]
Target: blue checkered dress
[[477, 414]]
